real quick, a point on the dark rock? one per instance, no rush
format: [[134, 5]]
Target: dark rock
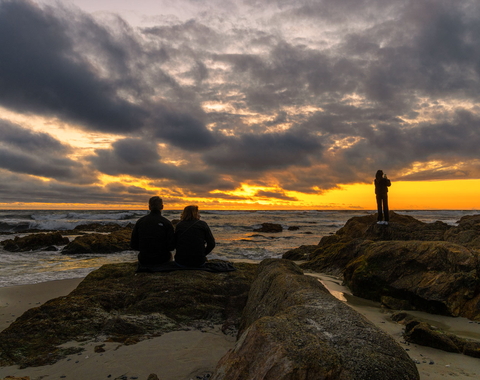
[[293, 228], [125, 306], [292, 328], [34, 242], [153, 376], [301, 253], [423, 334], [405, 265], [269, 227], [436, 277], [99, 349], [116, 241], [467, 232]]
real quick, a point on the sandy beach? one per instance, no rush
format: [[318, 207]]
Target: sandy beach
[[183, 355]]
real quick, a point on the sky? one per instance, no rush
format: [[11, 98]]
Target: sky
[[272, 104]]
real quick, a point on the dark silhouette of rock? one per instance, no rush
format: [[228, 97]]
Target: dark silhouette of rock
[[292, 328], [406, 264], [293, 228], [124, 306], [34, 242], [116, 241], [269, 227], [301, 253]]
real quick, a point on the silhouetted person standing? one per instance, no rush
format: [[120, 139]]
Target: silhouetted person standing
[[382, 184], [153, 236]]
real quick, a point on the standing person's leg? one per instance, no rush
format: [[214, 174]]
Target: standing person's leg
[[379, 209], [385, 208]]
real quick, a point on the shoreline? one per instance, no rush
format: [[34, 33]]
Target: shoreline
[[182, 355]]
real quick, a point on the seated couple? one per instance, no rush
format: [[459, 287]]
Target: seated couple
[[155, 237]]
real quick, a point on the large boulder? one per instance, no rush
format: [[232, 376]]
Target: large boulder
[[116, 303], [387, 264], [292, 328], [437, 277], [34, 242], [115, 241]]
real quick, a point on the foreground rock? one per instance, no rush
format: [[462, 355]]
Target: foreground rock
[[115, 303], [115, 241], [406, 265], [34, 242], [292, 328]]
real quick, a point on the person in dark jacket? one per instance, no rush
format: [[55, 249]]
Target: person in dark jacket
[[153, 236], [193, 239], [382, 183]]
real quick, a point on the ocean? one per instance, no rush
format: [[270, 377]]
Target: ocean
[[233, 231]]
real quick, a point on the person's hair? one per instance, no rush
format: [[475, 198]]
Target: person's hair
[[190, 213], [155, 203], [379, 174]]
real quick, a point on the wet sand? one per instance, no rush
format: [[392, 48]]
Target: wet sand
[[182, 355]]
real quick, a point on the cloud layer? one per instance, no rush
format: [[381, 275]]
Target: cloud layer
[[285, 95]]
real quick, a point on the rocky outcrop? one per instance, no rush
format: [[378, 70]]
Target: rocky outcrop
[[269, 227], [115, 241], [117, 304], [34, 242], [292, 328], [406, 264]]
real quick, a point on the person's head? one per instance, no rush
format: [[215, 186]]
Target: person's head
[[379, 174], [190, 213], [155, 203]]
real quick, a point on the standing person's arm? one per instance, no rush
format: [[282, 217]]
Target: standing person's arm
[[209, 239]]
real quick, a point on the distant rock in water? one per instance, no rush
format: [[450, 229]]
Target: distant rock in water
[[116, 241], [34, 242], [408, 263], [269, 227]]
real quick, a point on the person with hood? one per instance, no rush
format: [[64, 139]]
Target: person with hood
[[193, 239], [153, 235], [382, 183]]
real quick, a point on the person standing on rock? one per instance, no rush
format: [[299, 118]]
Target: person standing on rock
[[382, 183], [193, 239], [153, 236]]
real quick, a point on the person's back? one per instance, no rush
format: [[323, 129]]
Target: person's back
[[193, 239], [153, 236]]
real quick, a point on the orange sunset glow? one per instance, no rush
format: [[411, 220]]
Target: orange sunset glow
[[104, 104]]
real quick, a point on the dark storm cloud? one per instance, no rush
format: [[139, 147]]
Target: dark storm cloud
[[18, 188], [265, 152], [26, 140], [140, 158], [41, 72], [39, 154]]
